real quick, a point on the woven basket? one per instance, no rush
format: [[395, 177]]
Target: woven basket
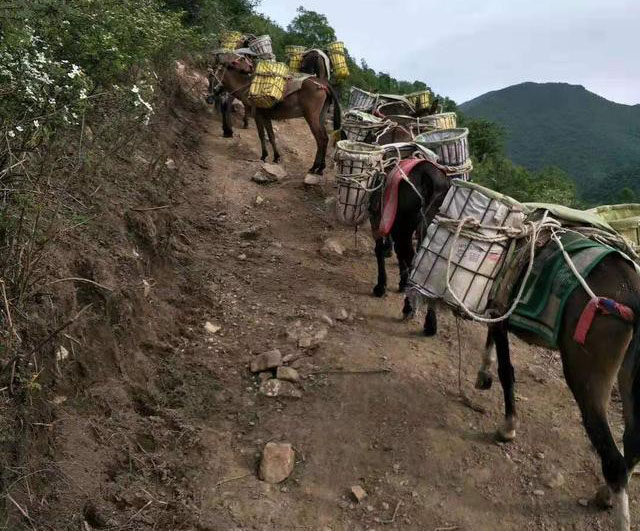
[[268, 84], [358, 170], [358, 125], [231, 40], [294, 55], [338, 57], [624, 219], [361, 99], [262, 47], [475, 264], [451, 145], [445, 120], [396, 108]]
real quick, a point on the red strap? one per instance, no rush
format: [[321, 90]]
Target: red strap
[[390, 203], [606, 307]]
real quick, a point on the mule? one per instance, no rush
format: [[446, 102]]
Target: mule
[[413, 215], [314, 64], [235, 73], [611, 350]]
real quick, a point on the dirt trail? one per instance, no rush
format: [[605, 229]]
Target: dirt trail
[[427, 461]]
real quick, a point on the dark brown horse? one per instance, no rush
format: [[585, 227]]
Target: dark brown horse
[[611, 350], [414, 213], [314, 64], [235, 73]]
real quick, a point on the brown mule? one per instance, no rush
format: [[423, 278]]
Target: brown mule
[[234, 73], [611, 350]]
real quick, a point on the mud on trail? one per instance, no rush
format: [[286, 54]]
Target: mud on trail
[[176, 444]]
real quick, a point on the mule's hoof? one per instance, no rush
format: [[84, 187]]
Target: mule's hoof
[[603, 499], [484, 381], [429, 329], [227, 135], [503, 435], [379, 291], [276, 160], [210, 100]]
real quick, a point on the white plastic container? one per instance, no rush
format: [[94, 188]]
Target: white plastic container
[[451, 145], [474, 264]]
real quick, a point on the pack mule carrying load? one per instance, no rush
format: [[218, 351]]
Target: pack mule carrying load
[[262, 47], [294, 54], [338, 57], [231, 40], [358, 172], [268, 84], [474, 256]]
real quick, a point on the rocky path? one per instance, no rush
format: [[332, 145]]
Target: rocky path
[[376, 406]]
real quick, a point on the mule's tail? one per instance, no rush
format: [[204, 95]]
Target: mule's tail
[[337, 111]]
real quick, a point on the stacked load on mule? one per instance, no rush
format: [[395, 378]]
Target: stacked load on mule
[[262, 48], [294, 55], [389, 105], [268, 84], [358, 173], [359, 126], [452, 148], [338, 58], [431, 122], [231, 40], [625, 219], [465, 246], [421, 100], [406, 150]]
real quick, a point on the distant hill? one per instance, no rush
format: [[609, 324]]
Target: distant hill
[[595, 140]]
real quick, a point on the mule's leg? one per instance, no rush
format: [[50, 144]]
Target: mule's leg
[[263, 143], [484, 379], [430, 326], [319, 133], [506, 432], [225, 108], [272, 139], [245, 118], [404, 251], [381, 287]]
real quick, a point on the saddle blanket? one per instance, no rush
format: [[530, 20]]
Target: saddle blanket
[[294, 83], [390, 201], [551, 282]]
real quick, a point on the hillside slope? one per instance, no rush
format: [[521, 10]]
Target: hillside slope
[[557, 124]]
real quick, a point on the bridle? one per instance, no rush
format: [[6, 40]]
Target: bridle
[[219, 73]]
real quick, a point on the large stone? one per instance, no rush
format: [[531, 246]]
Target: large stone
[[267, 360], [313, 180], [288, 374], [553, 479], [274, 170], [332, 246], [262, 178], [278, 460], [358, 493], [275, 388]]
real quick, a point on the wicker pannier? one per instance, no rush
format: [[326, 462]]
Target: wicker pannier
[[294, 55], [262, 47], [362, 100], [231, 40]]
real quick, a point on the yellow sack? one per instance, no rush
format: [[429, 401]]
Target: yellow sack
[[338, 57], [268, 84], [231, 40], [420, 100], [294, 56]]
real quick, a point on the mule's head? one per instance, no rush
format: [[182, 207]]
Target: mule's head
[[231, 71]]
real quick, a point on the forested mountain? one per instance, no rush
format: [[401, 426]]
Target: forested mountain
[[596, 141]]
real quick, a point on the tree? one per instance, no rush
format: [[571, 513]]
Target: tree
[[486, 138], [311, 29]]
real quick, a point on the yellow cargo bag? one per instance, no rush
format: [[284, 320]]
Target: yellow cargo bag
[[231, 40], [625, 219], [338, 57], [268, 84], [420, 100], [294, 56]]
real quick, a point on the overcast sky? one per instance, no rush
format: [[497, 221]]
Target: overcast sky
[[464, 48]]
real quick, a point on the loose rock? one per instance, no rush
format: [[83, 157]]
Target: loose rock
[[288, 374], [62, 353], [268, 360], [250, 233], [327, 319], [278, 460], [538, 492], [332, 246], [553, 479], [313, 180], [259, 200], [342, 315], [274, 170], [212, 328], [279, 388], [264, 376], [358, 493]]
